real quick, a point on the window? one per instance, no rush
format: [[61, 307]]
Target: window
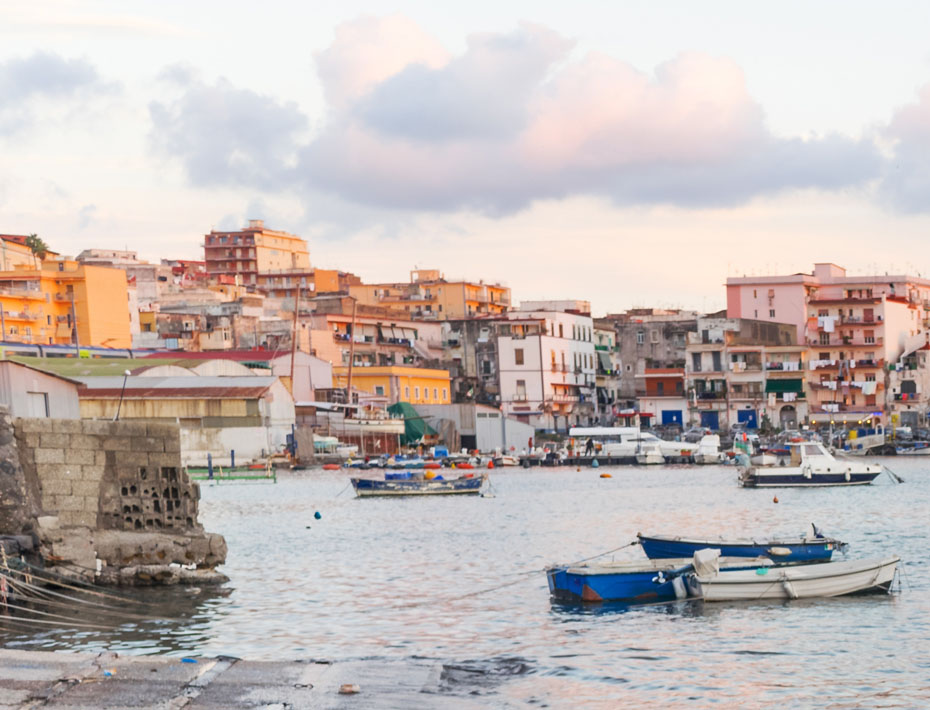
[[435, 393], [695, 362], [518, 356], [640, 338], [870, 337], [407, 394], [486, 367], [654, 336], [660, 387], [521, 391], [445, 395], [771, 312], [379, 390], [716, 361], [824, 338], [561, 332], [822, 312], [416, 393], [754, 294]]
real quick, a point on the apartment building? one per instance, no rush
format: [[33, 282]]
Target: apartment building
[[254, 250], [429, 295], [63, 302], [395, 383]]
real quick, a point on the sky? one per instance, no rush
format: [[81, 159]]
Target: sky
[[631, 154]]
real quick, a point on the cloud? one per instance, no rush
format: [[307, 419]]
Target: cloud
[[226, 136], [86, 216], [514, 118], [43, 76], [906, 183]]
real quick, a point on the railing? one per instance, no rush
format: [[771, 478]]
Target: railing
[[780, 366]]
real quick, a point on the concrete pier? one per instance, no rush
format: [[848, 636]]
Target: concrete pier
[[85, 681]]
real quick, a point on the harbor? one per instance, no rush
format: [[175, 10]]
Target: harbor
[[459, 583]]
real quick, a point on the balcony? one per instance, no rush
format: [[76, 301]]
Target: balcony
[[780, 366], [565, 398], [906, 396]]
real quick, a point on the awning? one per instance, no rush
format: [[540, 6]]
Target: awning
[[784, 386], [604, 359]]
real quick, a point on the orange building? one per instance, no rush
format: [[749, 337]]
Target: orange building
[[430, 295], [248, 252], [416, 385], [64, 302], [14, 252], [283, 284]]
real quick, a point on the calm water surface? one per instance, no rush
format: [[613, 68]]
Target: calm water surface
[[424, 578]]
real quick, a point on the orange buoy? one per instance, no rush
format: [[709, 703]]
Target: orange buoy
[[606, 475], [775, 499], [490, 464], [331, 466]]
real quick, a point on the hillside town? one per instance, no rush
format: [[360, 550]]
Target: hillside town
[[253, 350]]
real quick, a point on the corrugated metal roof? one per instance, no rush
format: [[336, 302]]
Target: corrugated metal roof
[[177, 387], [173, 392]]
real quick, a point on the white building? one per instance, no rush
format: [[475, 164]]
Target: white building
[[548, 377]]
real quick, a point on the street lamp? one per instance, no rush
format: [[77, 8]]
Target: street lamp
[[120, 404]]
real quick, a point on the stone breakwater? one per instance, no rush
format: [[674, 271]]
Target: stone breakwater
[[103, 501]]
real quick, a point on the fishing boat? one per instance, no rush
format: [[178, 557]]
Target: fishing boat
[[633, 581], [649, 453], [917, 448], [505, 460], [812, 547], [828, 579], [395, 484], [625, 442], [809, 464], [708, 450]]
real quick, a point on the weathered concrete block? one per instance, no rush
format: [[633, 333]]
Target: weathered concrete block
[[54, 440], [85, 441], [100, 458], [72, 503], [91, 472], [56, 487], [78, 518], [31, 425], [57, 471], [81, 457], [172, 444], [67, 426], [162, 460], [49, 456], [130, 428], [28, 440], [97, 427], [131, 459], [162, 430], [86, 488], [147, 443], [117, 443]]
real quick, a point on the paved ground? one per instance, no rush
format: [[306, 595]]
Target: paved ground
[[73, 681]]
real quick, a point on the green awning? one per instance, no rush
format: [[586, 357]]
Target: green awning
[[415, 427], [784, 386], [604, 358]]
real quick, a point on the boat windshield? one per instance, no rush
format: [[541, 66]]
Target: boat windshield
[[812, 450]]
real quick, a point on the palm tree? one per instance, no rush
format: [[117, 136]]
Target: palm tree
[[38, 247]]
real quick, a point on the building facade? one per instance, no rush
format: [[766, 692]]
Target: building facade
[[254, 250], [391, 384]]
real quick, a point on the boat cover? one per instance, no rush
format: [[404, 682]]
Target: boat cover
[[706, 562]]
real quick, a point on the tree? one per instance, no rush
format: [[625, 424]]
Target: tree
[[38, 247]]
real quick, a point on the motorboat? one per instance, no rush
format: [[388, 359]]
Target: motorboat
[[630, 581], [408, 484], [916, 448], [506, 460], [625, 442], [649, 453], [811, 547], [808, 464], [708, 450], [829, 579]]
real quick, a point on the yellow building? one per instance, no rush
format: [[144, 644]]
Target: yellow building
[[14, 252], [64, 302], [254, 250], [398, 384], [430, 295]]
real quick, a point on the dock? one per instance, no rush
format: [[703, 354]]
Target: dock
[[107, 681]]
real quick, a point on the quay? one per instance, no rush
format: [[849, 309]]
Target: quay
[[108, 681]]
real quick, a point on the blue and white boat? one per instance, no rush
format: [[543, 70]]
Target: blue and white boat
[[813, 547], [401, 485], [632, 582], [809, 465]]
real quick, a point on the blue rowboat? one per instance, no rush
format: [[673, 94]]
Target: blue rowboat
[[367, 487], [632, 582], [813, 548]]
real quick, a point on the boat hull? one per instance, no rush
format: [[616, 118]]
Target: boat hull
[[795, 478], [800, 550], [368, 487], [831, 579], [626, 583]]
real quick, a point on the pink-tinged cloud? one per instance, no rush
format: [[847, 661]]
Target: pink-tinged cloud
[[517, 117], [906, 183]]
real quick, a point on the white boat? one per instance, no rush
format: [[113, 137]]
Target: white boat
[[708, 450], [829, 579], [810, 464], [649, 453], [625, 441], [917, 448], [505, 460]]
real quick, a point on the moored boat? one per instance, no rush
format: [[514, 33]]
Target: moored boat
[[634, 582], [649, 453], [916, 448], [708, 450], [813, 547], [828, 579], [810, 465], [400, 485]]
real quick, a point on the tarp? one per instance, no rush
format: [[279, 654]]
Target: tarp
[[784, 386], [415, 427]]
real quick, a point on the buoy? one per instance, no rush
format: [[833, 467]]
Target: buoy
[[317, 516], [490, 464], [775, 499], [606, 475], [453, 465], [594, 463]]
